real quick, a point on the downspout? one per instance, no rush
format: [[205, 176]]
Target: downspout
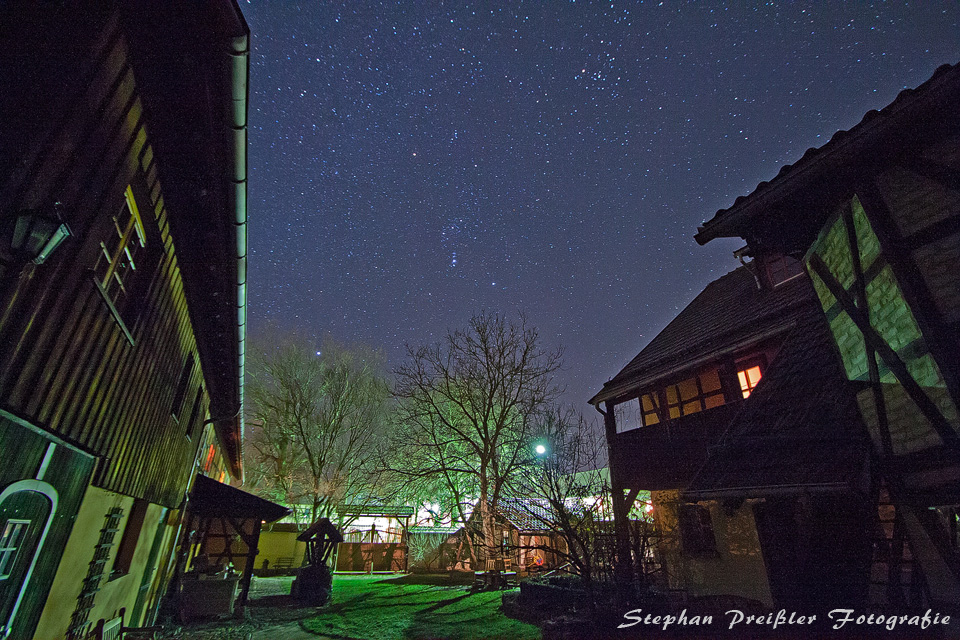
[[239, 57]]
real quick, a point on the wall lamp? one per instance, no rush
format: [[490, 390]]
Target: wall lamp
[[38, 232]]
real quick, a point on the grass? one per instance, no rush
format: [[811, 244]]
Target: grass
[[414, 608]]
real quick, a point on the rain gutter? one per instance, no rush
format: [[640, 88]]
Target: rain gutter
[[238, 68]]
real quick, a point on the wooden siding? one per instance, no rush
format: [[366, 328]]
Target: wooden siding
[[102, 378]]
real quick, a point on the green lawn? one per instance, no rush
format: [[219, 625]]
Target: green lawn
[[410, 607]]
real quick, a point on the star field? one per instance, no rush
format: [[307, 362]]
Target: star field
[[414, 163]]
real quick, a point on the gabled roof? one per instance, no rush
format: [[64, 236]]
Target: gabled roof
[[729, 314], [524, 513], [798, 430], [445, 531], [212, 499], [927, 113]]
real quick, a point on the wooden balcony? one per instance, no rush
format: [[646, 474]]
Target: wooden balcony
[[668, 455]]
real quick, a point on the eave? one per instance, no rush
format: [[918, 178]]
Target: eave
[[814, 182], [191, 63]]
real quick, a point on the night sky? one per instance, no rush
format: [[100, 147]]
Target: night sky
[[411, 164]]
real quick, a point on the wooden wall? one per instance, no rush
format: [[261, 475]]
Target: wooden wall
[[69, 363]]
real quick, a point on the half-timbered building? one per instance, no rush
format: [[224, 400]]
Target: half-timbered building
[[122, 296], [874, 215], [797, 422]]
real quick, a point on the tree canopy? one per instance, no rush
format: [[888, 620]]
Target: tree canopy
[[317, 421], [468, 412]]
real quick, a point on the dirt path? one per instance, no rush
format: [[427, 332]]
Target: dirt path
[[287, 631]]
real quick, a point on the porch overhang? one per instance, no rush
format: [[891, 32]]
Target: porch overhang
[[212, 499]]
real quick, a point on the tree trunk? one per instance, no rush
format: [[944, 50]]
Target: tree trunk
[[486, 522]]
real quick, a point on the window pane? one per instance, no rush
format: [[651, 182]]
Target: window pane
[[749, 379], [671, 395], [691, 407], [627, 415], [688, 389], [710, 381], [647, 401], [13, 534], [713, 401], [674, 412]]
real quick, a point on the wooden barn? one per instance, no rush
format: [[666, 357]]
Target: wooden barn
[[122, 296]]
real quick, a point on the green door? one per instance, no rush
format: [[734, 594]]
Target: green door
[[23, 519]]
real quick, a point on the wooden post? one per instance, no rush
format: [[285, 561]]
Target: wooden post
[[251, 559], [624, 567]]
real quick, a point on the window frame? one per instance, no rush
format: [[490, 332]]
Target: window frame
[[126, 290], [777, 264], [123, 560], [744, 365], [700, 397], [111, 282], [10, 552], [183, 384]]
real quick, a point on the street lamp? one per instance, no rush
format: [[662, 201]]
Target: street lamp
[[38, 232], [540, 449]]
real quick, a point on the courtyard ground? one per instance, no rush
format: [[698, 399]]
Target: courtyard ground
[[365, 607]]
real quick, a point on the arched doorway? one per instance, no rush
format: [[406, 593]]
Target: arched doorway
[[26, 511]]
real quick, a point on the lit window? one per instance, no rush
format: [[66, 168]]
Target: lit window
[[116, 261], [650, 408], [749, 378], [210, 454], [10, 542], [694, 394]]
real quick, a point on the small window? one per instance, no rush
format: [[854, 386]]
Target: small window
[[749, 375], [128, 543], [696, 530], [182, 384], [628, 415], [210, 454], [781, 268], [118, 256], [650, 408], [195, 413], [10, 542]]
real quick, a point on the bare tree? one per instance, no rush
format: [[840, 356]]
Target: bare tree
[[317, 421], [566, 490], [568, 494], [466, 413]]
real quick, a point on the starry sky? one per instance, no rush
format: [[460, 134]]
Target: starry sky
[[413, 163]]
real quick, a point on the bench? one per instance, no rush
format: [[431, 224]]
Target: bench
[[284, 563]]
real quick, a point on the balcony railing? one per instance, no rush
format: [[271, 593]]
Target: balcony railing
[[668, 455]]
